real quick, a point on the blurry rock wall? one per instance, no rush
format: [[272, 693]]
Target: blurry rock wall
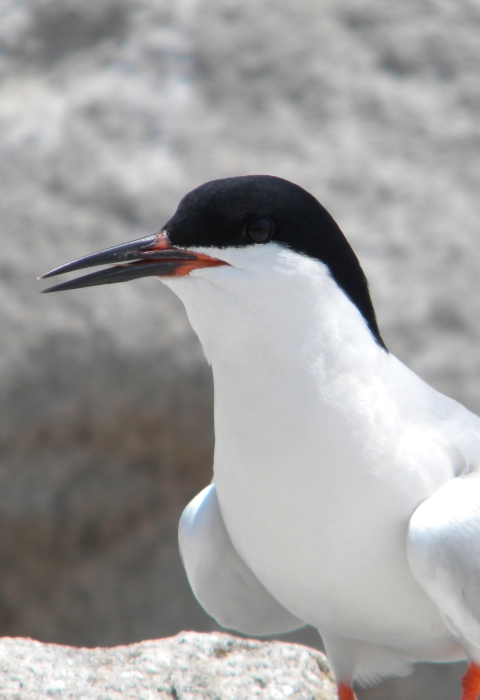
[[110, 110]]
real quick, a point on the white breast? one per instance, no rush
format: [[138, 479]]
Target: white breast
[[325, 444]]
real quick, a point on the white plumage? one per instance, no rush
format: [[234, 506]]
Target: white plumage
[[326, 445], [346, 491]]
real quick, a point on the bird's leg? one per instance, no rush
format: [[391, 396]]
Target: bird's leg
[[470, 683], [345, 692]]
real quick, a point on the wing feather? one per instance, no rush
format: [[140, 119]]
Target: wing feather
[[221, 581], [444, 555]]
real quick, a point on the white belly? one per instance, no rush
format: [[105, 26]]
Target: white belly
[[326, 540], [323, 447]]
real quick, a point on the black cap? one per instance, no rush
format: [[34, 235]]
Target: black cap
[[242, 211]]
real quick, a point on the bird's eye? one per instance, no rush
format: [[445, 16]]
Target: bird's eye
[[259, 230]]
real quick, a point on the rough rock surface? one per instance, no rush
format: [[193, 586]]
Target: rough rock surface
[[189, 666], [109, 112]]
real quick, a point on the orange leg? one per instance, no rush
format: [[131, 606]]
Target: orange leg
[[470, 683], [345, 692]]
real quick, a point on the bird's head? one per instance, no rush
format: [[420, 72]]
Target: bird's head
[[238, 223]]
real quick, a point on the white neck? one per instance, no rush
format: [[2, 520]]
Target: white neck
[[309, 453], [278, 332], [271, 296]]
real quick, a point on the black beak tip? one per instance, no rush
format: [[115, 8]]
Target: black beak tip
[[48, 290], [123, 253]]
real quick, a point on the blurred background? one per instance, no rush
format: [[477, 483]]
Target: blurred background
[[110, 111]]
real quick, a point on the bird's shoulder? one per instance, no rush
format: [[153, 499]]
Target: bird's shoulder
[[423, 410]]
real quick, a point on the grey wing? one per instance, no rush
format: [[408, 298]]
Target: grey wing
[[444, 555], [221, 581]]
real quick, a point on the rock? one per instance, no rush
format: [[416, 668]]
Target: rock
[[189, 666]]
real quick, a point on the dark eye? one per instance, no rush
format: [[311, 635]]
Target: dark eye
[[259, 230]]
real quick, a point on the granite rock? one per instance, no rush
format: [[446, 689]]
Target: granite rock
[[190, 666]]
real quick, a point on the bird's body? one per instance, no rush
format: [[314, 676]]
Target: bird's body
[[331, 456], [320, 463]]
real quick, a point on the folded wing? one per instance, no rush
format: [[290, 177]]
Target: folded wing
[[444, 556], [221, 581]]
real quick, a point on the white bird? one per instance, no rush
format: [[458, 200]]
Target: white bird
[[346, 491]]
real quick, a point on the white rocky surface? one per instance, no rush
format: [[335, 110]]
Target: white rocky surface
[[189, 666], [110, 110]]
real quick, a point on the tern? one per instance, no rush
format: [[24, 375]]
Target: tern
[[346, 491]]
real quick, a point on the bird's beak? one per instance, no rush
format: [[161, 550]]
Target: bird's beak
[[144, 257]]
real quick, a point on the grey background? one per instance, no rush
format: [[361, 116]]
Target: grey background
[[110, 110]]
